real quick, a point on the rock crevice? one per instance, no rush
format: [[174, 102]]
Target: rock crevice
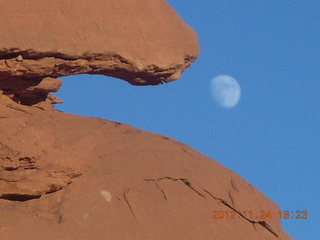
[[264, 224]]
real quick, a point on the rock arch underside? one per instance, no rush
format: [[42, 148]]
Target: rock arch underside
[[68, 177]]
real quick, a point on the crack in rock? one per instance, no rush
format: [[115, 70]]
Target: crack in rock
[[262, 223], [184, 180], [161, 190], [23, 163], [127, 201], [231, 198], [18, 109], [19, 197], [234, 186]]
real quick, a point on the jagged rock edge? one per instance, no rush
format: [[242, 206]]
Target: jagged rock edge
[[148, 75], [31, 165]]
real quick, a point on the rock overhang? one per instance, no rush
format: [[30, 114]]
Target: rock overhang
[[144, 44]]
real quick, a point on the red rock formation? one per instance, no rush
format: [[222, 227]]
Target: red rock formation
[[144, 42], [68, 177], [64, 176]]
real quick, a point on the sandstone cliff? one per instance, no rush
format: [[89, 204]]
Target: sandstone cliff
[[64, 176]]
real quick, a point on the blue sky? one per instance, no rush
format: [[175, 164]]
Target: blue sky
[[272, 137]]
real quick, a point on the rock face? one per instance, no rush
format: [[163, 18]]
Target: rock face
[[64, 176], [68, 177], [143, 42]]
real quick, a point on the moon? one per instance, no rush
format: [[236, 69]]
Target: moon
[[225, 90]]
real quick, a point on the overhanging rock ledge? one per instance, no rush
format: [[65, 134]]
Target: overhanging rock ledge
[[143, 42]]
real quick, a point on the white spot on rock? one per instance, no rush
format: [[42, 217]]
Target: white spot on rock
[[106, 195]]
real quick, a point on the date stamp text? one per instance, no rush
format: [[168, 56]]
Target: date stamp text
[[259, 215]]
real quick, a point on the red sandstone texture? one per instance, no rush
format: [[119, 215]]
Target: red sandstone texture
[[143, 41], [66, 177]]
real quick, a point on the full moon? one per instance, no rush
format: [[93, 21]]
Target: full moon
[[225, 90]]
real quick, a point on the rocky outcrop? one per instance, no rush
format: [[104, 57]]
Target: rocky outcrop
[[68, 177], [64, 176], [143, 42], [31, 91]]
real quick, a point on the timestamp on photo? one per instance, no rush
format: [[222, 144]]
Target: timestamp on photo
[[259, 215], [293, 214]]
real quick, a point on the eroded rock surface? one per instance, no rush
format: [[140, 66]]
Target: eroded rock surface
[[64, 176], [68, 177], [143, 42]]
